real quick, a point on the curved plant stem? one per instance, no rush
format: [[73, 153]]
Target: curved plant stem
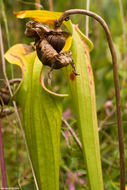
[[65, 16]]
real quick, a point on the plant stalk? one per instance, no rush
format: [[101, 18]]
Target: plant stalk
[[37, 4], [57, 23], [50, 5], [7, 32], [2, 161], [73, 134], [87, 18]]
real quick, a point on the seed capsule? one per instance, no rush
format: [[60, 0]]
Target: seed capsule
[[49, 44]]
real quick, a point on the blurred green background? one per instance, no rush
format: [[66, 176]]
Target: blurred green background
[[72, 172]]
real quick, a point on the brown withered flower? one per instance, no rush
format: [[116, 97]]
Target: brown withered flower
[[49, 44]]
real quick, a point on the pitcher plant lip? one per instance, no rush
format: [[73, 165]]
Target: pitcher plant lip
[[42, 77]]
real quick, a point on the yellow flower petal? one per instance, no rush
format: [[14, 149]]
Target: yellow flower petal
[[43, 16], [15, 55], [68, 43]]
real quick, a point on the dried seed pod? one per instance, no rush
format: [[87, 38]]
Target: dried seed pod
[[49, 44], [49, 56], [57, 41]]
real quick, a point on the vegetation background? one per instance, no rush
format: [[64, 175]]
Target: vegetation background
[[72, 172]]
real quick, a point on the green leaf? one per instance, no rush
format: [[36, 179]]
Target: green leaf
[[83, 97], [42, 114]]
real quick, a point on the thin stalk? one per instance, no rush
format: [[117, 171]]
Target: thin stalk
[[65, 16], [123, 24], [14, 104], [5, 22], [73, 134], [124, 44], [112, 123], [37, 4], [101, 125], [7, 32], [50, 5], [87, 18], [2, 161]]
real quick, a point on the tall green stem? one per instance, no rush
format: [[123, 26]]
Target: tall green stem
[[7, 33]]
